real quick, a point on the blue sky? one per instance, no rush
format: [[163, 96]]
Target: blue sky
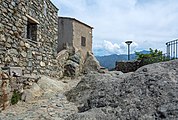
[[148, 23]]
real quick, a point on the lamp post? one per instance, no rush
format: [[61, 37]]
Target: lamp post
[[128, 43]]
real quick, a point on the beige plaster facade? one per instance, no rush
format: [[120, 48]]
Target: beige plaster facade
[[74, 33]]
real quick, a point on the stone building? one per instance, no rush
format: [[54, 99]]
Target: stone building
[[74, 33], [28, 35]]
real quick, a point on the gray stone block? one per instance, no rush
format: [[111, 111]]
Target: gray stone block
[[17, 70]]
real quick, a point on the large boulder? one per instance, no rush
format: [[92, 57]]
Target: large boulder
[[94, 114], [91, 64], [61, 58], [73, 65], [41, 87], [149, 93], [71, 69], [30, 94], [91, 83], [76, 57], [49, 85]]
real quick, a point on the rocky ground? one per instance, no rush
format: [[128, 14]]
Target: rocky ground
[[150, 93], [50, 106]]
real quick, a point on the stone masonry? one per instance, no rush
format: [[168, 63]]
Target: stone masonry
[[28, 36], [128, 66], [5, 90]]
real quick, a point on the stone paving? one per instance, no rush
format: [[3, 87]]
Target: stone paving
[[55, 107]]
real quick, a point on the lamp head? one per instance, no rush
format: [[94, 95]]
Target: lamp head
[[128, 42]]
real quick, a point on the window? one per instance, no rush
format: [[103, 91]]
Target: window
[[32, 29], [83, 41]]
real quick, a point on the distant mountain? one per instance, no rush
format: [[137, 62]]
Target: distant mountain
[[110, 60]]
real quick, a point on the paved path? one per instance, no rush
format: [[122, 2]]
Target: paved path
[[54, 108]]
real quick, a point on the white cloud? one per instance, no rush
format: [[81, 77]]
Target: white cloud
[[113, 48], [107, 48], [149, 23]]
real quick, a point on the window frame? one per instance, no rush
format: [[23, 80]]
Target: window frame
[[83, 41], [32, 27]]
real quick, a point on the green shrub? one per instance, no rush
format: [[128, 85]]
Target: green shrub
[[15, 98], [153, 53], [153, 57]]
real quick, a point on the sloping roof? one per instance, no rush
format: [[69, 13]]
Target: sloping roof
[[76, 21]]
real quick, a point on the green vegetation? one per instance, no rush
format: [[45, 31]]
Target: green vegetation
[[15, 98], [152, 57], [153, 53]]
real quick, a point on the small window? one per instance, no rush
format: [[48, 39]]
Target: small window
[[83, 41], [31, 30]]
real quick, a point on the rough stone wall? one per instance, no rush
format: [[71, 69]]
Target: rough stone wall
[[10, 84], [15, 49], [5, 90], [131, 66], [80, 30], [128, 66]]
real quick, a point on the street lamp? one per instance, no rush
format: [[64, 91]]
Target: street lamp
[[128, 43]]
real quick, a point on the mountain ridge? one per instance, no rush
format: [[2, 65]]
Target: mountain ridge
[[108, 61]]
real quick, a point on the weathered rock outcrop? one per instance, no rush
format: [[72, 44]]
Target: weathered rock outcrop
[[149, 93], [32, 93], [45, 87], [62, 57], [50, 85], [91, 64], [73, 65]]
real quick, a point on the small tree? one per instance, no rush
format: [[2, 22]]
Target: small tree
[[152, 57], [152, 53]]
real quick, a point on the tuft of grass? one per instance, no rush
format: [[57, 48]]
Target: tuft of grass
[[15, 98]]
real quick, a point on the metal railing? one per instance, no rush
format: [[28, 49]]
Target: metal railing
[[171, 53], [172, 49]]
